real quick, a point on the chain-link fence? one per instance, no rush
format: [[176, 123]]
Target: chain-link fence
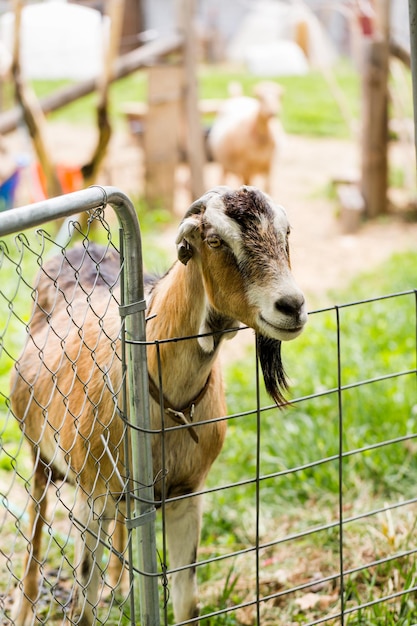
[[309, 512], [68, 305]]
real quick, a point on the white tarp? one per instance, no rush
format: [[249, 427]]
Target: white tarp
[[266, 40], [58, 40]]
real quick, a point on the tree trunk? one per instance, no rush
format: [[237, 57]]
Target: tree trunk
[[32, 112]]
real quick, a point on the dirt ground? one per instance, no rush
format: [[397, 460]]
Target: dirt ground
[[323, 257]]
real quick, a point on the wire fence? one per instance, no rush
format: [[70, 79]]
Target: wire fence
[[309, 512]]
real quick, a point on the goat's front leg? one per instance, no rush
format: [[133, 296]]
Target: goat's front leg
[[183, 521], [93, 529]]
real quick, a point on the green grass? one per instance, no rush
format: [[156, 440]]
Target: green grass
[[309, 106]]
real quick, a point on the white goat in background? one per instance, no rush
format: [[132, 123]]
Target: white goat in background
[[233, 267], [246, 134]]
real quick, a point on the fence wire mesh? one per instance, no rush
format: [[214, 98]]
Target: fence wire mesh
[[309, 512], [62, 348], [54, 376], [320, 524]]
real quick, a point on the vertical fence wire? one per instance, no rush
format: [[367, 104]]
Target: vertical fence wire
[[258, 491], [163, 497], [341, 431]]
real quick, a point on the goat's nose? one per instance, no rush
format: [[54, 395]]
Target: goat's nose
[[290, 304]]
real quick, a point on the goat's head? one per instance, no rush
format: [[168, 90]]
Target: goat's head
[[269, 95], [240, 239]]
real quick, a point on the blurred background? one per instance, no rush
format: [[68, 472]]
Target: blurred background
[[310, 100]]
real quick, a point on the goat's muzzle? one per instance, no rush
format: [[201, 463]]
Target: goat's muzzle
[[285, 319]]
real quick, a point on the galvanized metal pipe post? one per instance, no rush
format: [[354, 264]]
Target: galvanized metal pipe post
[[143, 523]]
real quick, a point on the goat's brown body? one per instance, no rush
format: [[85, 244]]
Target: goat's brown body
[[61, 376], [65, 390]]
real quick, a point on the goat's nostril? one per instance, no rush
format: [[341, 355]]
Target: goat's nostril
[[290, 303]]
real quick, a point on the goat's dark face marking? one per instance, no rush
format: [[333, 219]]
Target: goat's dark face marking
[[241, 238]]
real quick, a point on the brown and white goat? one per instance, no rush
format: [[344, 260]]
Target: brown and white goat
[[246, 135], [233, 266]]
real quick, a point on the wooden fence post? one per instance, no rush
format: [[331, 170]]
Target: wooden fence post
[[375, 128], [194, 140], [161, 137], [375, 114]]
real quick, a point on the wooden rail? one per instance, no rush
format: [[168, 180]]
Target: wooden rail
[[125, 65]]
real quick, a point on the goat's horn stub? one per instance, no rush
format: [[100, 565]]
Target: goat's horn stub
[[200, 204], [190, 222], [269, 353]]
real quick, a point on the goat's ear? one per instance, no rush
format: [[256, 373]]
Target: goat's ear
[[191, 222], [186, 231], [184, 251]]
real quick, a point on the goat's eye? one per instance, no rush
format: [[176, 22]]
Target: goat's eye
[[214, 241]]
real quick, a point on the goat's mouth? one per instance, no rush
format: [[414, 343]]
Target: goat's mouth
[[283, 333]]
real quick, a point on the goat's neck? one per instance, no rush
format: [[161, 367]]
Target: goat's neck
[[261, 123], [180, 307]]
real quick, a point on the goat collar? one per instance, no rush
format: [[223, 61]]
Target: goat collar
[[185, 414]]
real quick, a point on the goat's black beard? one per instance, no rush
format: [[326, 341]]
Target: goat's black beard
[[269, 353]]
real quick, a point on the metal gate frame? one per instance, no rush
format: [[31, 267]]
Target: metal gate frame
[[141, 510]]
